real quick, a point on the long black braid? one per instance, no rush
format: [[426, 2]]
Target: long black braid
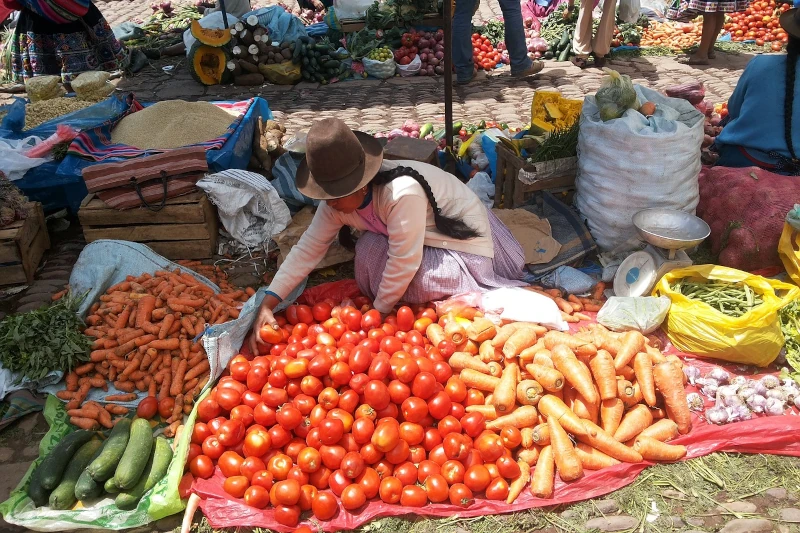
[[793, 52], [452, 227]]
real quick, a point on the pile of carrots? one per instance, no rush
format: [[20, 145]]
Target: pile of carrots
[[615, 394], [146, 332], [672, 35], [211, 272], [573, 307]]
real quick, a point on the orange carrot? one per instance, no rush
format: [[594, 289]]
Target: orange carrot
[[549, 378], [611, 412], [478, 380], [435, 334], [627, 372], [634, 422], [516, 486], [187, 302], [597, 438], [71, 380], [599, 289], [144, 309], [488, 353], [84, 423], [505, 392], [552, 407], [120, 397], [185, 309], [663, 430], [575, 372], [488, 411], [567, 462], [624, 389], [564, 305], [125, 386], [504, 333], [654, 450], [643, 367], [529, 392], [523, 416], [191, 384], [186, 323], [481, 330], [593, 459], [463, 360], [164, 391], [123, 349], [115, 409], [65, 395], [87, 411], [197, 370], [577, 345], [177, 381], [577, 306], [585, 409], [166, 324], [526, 435], [528, 455], [631, 343], [543, 480], [602, 366], [655, 355], [544, 358], [122, 320], [522, 338], [669, 381], [541, 434], [166, 344]]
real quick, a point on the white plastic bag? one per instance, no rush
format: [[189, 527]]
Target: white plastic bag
[[634, 163], [644, 314], [629, 10], [248, 205], [481, 184], [412, 69], [521, 305], [213, 21], [379, 69], [13, 161], [351, 9]]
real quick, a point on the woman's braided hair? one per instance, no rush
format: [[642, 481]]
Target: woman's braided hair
[[452, 227], [793, 52]]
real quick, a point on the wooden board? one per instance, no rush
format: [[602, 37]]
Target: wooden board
[[353, 25], [187, 209], [150, 232], [202, 249], [406, 148], [22, 245]]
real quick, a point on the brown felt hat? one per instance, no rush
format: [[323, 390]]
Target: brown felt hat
[[338, 161], [790, 21]]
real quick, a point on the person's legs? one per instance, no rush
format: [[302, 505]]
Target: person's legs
[[582, 42], [720, 23], [462, 40], [515, 37], [707, 39], [601, 44]]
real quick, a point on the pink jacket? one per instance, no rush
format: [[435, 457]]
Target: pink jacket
[[399, 204]]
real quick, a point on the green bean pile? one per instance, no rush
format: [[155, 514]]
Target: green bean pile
[[732, 299]]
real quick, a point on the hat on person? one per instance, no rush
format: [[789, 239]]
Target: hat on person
[[338, 161], [790, 21]]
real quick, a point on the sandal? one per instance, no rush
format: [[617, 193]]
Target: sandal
[[581, 62]]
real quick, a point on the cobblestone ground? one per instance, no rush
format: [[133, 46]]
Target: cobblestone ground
[[375, 106]]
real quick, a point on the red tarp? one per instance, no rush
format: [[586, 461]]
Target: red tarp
[[772, 435]]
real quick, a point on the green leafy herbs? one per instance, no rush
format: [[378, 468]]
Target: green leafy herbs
[[494, 30], [559, 144], [36, 343], [790, 326]]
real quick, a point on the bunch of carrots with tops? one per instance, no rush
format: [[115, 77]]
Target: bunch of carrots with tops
[[145, 329], [615, 394]]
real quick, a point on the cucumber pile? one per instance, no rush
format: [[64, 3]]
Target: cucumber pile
[[82, 468], [561, 49], [319, 61]]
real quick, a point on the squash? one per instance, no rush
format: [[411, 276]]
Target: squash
[[208, 64], [540, 127], [209, 37]]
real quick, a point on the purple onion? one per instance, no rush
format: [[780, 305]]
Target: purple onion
[[695, 401], [691, 373], [756, 403], [722, 376], [770, 382], [773, 407], [717, 415]]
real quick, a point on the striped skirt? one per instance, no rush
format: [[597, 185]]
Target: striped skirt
[[444, 273]]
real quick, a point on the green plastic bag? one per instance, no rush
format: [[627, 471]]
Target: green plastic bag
[[616, 95], [161, 501]]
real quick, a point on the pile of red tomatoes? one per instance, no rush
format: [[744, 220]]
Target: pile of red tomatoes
[[343, 408], [759, 23], [484, 53]]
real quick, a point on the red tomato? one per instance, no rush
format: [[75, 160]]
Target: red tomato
[[433, 438], [405, 319], [427, 468], [331, 431], [423, 386], [332, 456], [231, 433], [453, 472], [412, 433], [414, 409], [236, 486], [477, 478], [212, 447], [166, 406], [244, 414], [321, 311], [239, 370], [473, 424], [288, 515], [274, 396], [194, 451], [147, 408], [390, 490], [407, 473], [251, 466], [324, 506], [413, 496], [309, 460], [289, 417], [399, 453], [279, 436], [362, 430], [264, 415], [497, 489], [200, 433], [491, 447], [376, 394], [398, 392], [353, 497], [370, 482], [279, 466], [371, 319], [436, 488], [262, 478], [439, 404], [228, 398], [201, 467], [256, 496], [352, 465], [230, 463], [285, 493], [206, 409], [456, 446], [508, 467], [386, 437], [460, 495], [320, 478]]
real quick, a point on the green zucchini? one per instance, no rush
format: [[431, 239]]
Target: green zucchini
[[332, 63], [105, 464], [136, 453], [63, 496], [110, 486], [457, 126], [322, 47], [155, 470], [53, 466], [86, 488], [36, 491], [426, 129], [564, 54], [564, 38]]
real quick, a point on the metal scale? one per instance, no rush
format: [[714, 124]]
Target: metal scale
[[668, 234]]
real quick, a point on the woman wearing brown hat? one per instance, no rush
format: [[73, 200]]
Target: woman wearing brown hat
[[425, 235], [761, 113]]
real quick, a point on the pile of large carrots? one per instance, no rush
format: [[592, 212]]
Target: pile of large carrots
[[146, 332], [677, 36], [615, 394]]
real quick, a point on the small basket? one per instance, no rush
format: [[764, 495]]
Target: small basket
[[517, 180]]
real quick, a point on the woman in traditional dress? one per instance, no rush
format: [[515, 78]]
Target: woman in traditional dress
[[425, 235]]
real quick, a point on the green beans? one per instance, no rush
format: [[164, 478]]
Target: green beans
[[732, 299]]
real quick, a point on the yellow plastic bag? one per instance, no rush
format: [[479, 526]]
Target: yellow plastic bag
[[694, 327], [286, 73], [789, 251]]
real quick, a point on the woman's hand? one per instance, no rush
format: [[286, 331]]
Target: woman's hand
[[263, 318]]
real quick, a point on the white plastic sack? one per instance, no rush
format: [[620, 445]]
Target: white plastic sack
[[13, 163], [644, 313], [213, 21], [8, 382], [351, 9], [634, 163], [379, 69], [412, 69], [249, 207], [481, 184], [520, 305], [629, 10]]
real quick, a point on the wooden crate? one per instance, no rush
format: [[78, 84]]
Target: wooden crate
[[406, 148], [22, 245], [354, 25], [512, 193], [186, 228]]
